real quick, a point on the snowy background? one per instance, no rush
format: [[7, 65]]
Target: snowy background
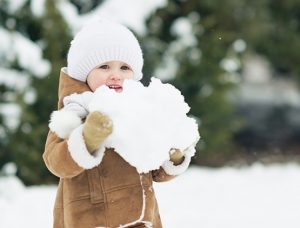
[[254, 197], [257, 196]]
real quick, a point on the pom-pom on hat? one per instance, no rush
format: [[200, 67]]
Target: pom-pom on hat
[[101, 41]]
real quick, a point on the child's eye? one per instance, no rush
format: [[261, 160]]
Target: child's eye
[[105, 67], [125, 67]]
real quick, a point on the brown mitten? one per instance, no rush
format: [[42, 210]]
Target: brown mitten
[[176, 156], [96, 129]]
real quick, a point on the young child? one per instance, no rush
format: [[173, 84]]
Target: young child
[[97, 187]]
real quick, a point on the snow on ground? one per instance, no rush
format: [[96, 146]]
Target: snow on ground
[[256, 197]]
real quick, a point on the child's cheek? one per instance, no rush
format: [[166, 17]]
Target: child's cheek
[[97, 83]]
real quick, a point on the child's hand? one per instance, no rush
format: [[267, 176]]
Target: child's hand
[[96, 129], [176, 156]]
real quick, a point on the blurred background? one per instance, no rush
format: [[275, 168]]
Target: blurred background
[[236, 63]]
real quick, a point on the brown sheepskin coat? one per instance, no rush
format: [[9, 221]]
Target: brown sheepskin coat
[[111, 194]]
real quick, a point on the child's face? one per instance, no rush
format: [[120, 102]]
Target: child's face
[[111, 74]]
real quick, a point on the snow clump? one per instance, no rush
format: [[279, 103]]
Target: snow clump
[[147, 122]]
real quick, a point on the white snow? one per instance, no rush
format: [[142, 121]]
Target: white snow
[[14, 46], [30, 96], [131, 13], [25, 207], [231, 64], [133, 16], [147, 122], [11, 113], [14, 5], [182, 28], [37, 7], [256, 70], [14, 79], [257, 196], [239, 45]]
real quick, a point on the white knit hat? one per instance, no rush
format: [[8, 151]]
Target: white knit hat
[[101, 41]]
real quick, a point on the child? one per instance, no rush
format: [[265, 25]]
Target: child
[[97, 187]]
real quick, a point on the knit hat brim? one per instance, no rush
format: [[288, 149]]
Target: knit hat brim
[[102, 41]]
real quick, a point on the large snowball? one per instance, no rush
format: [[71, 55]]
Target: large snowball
[[147, 122]]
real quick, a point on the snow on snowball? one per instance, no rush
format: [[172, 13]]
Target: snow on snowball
[[147, 122]]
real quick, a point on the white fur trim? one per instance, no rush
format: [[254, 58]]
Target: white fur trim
[[63, 122], [190, 151], [172, 169], [79, 152]]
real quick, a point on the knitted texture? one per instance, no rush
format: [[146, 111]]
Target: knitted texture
[[101, 41]]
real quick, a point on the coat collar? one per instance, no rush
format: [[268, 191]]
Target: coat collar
[[69, 85]]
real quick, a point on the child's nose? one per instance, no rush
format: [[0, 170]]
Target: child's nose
[[115, 76]]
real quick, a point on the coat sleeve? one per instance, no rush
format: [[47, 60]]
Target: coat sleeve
[[58, 158], [69, 157], [160, 175], [168, 170]]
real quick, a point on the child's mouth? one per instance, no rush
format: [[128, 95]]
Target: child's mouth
[[117, 88]]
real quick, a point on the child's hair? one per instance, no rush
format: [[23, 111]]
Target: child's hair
[[101, 41]]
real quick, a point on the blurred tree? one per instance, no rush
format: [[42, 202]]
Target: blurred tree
[[4, 155], [197, 37], [14, 75], [202, 45], [272, 29], [26, 143], [280, 42]]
